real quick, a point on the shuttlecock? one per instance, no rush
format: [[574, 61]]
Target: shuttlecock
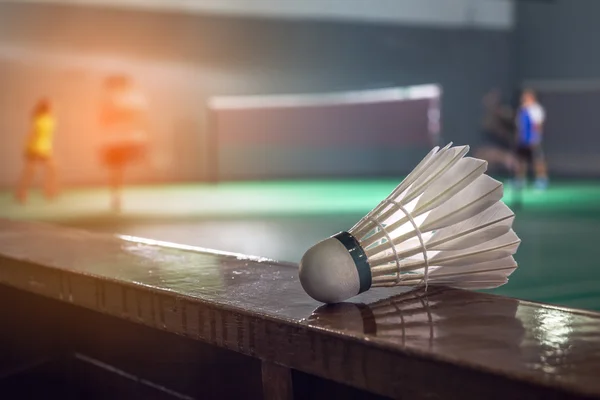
[[445, 224]]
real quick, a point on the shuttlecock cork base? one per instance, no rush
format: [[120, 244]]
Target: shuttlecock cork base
[[444, 224], [335, 269]]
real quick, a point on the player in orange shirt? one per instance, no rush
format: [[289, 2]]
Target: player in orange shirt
[[39, 151], [124, 119]]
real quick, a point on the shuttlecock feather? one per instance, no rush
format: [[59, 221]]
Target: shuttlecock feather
[[444, 224]]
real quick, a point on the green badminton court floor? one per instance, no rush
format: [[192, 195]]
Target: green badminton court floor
[[560, 227]]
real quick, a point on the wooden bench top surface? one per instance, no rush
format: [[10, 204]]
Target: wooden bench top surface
[[533, 343]]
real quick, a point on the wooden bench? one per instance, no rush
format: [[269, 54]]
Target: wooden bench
[[87, 315]]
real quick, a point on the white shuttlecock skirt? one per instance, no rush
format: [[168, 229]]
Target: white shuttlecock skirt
[[445, 224]]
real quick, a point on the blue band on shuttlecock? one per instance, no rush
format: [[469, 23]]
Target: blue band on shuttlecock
[[359, 257]]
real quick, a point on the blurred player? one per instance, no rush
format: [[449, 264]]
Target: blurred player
[[123, 117], [38, 151], [498, 130], [530, 124]]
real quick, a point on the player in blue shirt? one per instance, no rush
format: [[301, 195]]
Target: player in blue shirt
[[530, 122]]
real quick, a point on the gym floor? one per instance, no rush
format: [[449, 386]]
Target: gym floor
[[559, 227]]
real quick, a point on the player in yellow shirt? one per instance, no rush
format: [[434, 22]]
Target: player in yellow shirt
[[39, 151]]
